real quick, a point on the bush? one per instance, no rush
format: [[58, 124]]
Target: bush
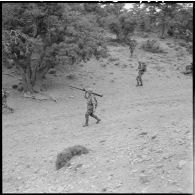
[[112, 59], [189, 48], [152, 45], [183, 44], [66, 155]]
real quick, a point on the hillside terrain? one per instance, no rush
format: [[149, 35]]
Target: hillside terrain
[[143, 143]]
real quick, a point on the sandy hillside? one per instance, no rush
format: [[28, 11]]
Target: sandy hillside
[[143, 144]]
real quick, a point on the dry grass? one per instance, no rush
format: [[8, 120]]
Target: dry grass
[[71, 76], [67, 154], [152, 45]]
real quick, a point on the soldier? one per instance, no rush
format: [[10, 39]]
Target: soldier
[[141, 69], [177, 33], [188, 35], [91, 106], [132, 45], [4, 100]]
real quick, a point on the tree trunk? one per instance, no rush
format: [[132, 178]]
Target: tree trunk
[[28, 80]]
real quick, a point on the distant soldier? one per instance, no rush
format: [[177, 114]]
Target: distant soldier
[[4, 100], [91, 106], [189, 69], [132, 45], [141, 69], [188, 35], [170, 31], [176, 33]]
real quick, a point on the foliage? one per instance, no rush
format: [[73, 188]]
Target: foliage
[[39, 36], [122, 26], [152, 45]]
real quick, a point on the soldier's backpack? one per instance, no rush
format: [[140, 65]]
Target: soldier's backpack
[[142, 66]]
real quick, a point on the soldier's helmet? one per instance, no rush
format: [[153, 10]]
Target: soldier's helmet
[[90, 90]]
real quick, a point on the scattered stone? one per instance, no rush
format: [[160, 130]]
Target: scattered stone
[[168, 156], [181, 164], [52, 71], [103, 65], [117, 63], [144, 179], [119, 185], [111, 59], [143, 133], [153, 137], [159, 151], [71, 76], [78, 166], [102, 141], [71, 96], [159, 166], [104, 190], [172, 182], [14, 86]]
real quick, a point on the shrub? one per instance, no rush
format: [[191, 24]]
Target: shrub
[[152, 45]]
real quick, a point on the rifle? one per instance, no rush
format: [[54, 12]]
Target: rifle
[[86, 90]]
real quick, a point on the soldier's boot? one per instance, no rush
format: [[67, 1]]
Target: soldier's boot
[[141, 84], [11, 110], [86, 120], [137, 81], [94, 116]]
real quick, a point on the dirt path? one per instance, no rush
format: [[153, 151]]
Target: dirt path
[[144, 143]]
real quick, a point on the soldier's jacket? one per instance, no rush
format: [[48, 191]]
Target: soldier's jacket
[[91, 103], [4, 97], [132, 44], [141, 68]]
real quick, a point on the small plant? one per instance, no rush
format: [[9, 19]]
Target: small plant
[[112, 59], [66, 155], [152, 45]]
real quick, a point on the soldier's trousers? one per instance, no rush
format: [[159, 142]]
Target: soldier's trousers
[[131, 51], [139, 80], [5, 106], [90, 113]]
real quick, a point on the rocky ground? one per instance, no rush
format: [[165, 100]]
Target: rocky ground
[[143, 144]]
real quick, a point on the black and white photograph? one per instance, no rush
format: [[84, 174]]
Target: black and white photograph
[[97, 97]]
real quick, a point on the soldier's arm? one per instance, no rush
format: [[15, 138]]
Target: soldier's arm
[[86, 96], [95, 102]]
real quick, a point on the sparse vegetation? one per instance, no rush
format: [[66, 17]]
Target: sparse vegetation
[[152, 45], [67, 154]]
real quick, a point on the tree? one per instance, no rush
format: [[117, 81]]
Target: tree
[[123, 26], [38, 36]]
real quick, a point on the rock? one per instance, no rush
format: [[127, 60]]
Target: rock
[[153, 137], [78, 166], [52, 71], [143, 133], [144, 179], [172, 182], [181, 164], [119, 185], [104, 189], [159, 166]]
